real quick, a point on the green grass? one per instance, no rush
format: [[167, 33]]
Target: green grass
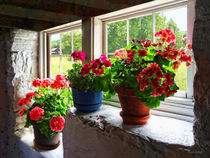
[[55, 65], [180, 79]]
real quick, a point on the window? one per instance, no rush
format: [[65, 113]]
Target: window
[[59, 43], [120, 33], [141, 22], [115, 30], [61, 47]]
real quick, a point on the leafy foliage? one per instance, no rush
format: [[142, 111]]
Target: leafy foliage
[[53, 98], [149, 68], [92, 79], [54, 105]]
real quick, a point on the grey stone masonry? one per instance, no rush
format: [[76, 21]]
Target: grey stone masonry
[[10, 70], [5, 101], [103, 134], [22, 62]]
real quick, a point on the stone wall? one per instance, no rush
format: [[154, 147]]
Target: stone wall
[[22, 59], [17, 50], [201, 41], [102, 134], [4, 98]]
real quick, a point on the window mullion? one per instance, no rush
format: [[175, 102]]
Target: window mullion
[[106, 39], [128, 33], [153, 26], [60, 54], [72, 45], [191, 69]]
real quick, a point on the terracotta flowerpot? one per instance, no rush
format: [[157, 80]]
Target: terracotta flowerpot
[[133, 110], [45, 143]]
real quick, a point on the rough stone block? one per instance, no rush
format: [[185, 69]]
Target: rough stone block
[[102, 134]]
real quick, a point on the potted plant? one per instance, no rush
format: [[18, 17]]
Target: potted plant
[[144, 72], [45, 110], [88, 81]]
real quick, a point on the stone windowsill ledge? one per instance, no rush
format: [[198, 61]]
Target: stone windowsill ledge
[[105, 126], [162, 129]]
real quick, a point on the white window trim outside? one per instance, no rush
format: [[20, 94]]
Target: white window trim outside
[[44, 61], [180, 106]]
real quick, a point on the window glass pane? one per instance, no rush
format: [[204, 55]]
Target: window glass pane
[[55, 44], [60, 61], [77, 40], [66, 64], [141, 28], [55, 66], [66, 43], [55, 52], [117, 35], [176, 20], [181, 77], [111, 55]]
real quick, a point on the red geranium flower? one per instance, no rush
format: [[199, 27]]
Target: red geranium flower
[[78, 55], [176, 65], [42, 104], [166, 36], [130, 56], [85, 70], [59, 82], [31, 94], [146, 43], [21, 111], [46, 83], [152, 73], [37, 82], [57, 123], [107, 63], [101, 71], [60, 77], [96, 66], [189, 46], [36, 113], [142, 53], [23, 101]]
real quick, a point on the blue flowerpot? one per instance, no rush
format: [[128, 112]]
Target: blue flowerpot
[[88, 101]]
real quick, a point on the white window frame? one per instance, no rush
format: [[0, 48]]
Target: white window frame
[[180, 106], [44, 51]]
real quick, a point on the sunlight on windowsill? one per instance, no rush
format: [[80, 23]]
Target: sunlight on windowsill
[[161, 129]]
